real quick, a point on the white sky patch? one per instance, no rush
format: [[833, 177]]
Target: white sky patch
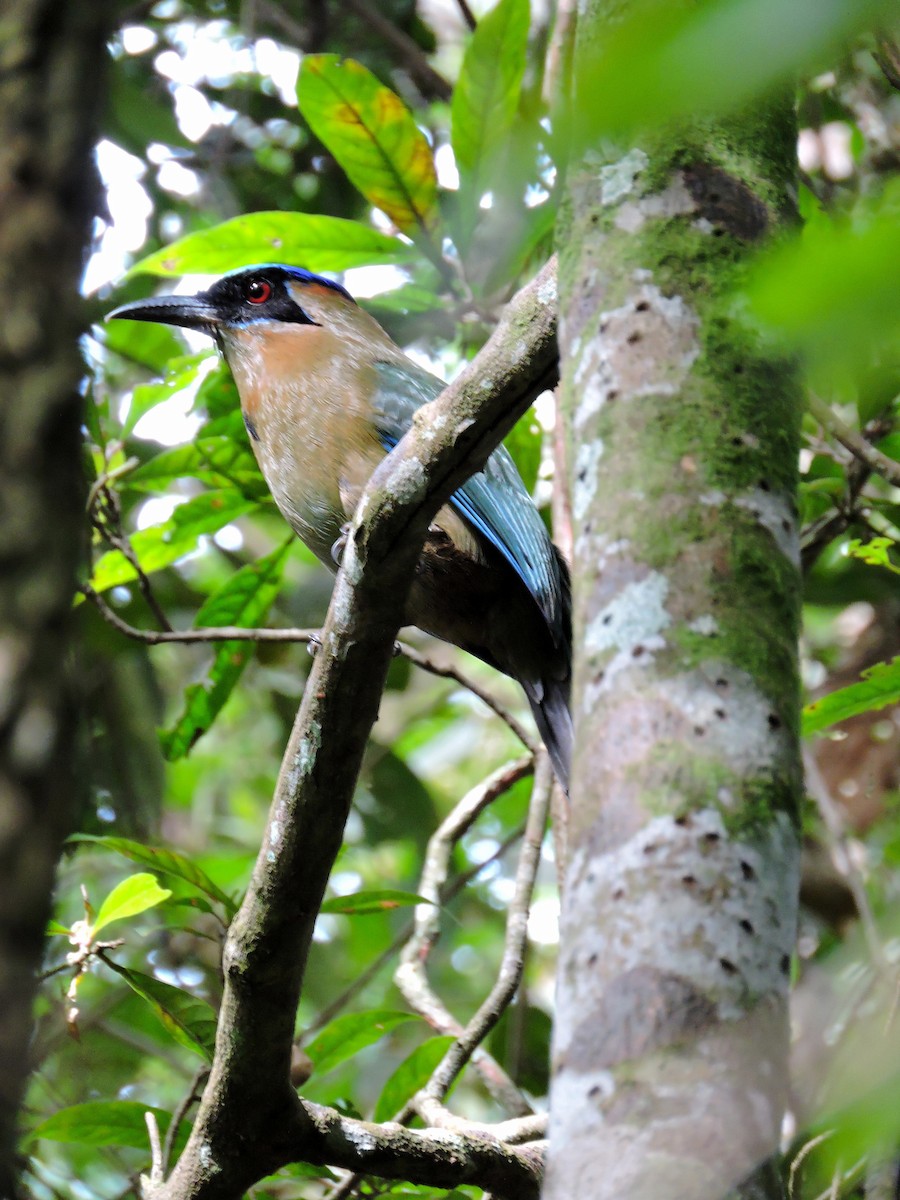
[[194, 113], [445, 166], [364, 282], [230, 538], [177, 179], [345, 882], [206, 52], [137, 39], [545, 411], [281, 65], [173, 422], [157, 510], [543, 921], [130, 209]]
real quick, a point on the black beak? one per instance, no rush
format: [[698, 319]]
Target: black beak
[[190, 312]]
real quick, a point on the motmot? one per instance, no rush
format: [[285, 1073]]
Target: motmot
[[325, 394]]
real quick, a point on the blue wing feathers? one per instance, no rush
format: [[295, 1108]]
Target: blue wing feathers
[[495, 501]]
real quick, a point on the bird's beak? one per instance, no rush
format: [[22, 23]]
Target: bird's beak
[[191, 312]]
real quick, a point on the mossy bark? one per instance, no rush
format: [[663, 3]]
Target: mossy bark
[[52, 68], [670, 1044]]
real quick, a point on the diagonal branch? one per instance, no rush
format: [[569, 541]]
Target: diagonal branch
[[858, 446], [250, 1120]]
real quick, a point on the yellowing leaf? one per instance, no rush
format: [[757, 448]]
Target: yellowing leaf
[[373, 136]]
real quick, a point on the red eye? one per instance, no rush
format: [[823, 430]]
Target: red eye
[[258, 291]]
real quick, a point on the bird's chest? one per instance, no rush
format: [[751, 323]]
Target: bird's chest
[[315, 448]]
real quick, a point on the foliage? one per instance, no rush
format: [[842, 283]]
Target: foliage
[[184, 528]]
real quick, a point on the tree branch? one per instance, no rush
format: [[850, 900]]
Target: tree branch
[[877, 462], [240, 633], [435, 1157], [250, 1120], [411, 976], [513, 960]]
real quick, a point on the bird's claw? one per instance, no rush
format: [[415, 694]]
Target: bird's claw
[[340, 545]]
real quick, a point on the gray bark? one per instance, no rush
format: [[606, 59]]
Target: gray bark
[[670, 1040]]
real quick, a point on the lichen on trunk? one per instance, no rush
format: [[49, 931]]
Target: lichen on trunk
[[682, 430]]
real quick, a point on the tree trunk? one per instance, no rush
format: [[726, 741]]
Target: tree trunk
[[53, 58], [670, 1042]]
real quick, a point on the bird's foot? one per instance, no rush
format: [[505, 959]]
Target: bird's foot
[[337, 550]]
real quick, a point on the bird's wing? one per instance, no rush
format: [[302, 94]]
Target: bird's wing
[[495, 501]]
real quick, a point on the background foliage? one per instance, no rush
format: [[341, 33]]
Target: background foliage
[[437, 205]]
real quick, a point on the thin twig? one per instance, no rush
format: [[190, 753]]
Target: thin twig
[[467, 15], [525, 1128], [235, 633], [512, 962], [411, 976], [805, 1150], [157, 1166], [822, 532], [219, 633], [448, 893], [833, 821], [888, 56], [858, 446], [194, 1092], [432, 85], [451, 672], [107, 519]]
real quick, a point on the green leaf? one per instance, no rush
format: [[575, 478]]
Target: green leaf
[[143, 342], [373, 136], [188, 1019], [294, 1170], [161, 545], [834, 295], [318, 243], [408, 298], [668, 61], [165, 861], [54, 928], [218, 461], [365, 903], [244, 600], [524, 443], [486, 98], [347, 1035], [412, 1074], [877, 686], [180, 373], [133, 895], [108, 1123]]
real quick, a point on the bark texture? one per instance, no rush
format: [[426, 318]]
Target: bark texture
[[670, 1043], [52, 67]]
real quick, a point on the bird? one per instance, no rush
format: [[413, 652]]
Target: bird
[[325, 394]]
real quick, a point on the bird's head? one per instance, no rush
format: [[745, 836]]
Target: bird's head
[[267, 295]]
